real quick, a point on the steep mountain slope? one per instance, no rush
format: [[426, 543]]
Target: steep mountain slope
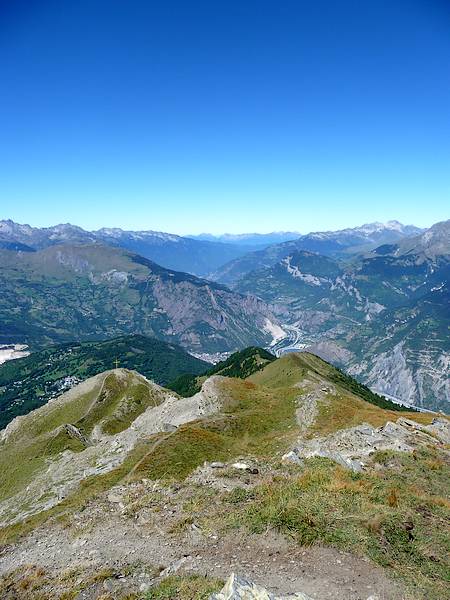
[[132, 484], [385, 316], [315, 292], [404, 350], [336, 244], [67, 293], [46, 454], [28, 383], [408, 355], [199, 257], [303, 276]]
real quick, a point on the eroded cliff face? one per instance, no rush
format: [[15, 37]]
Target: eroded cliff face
[[230, 320], [417, 378], [390, 374]]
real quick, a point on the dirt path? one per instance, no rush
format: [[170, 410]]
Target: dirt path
[[269, 560]]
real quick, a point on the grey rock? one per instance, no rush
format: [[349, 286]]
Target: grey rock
[[241, 466], [174, 567], [169, 427], [353, 447], [237, 588], [75, 433], [114, 498], [292, 456]]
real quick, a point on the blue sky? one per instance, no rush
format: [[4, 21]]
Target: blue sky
[[224, 116]]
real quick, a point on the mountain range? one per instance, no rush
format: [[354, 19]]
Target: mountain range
[[344, 243], [372, 300], [198, 257]]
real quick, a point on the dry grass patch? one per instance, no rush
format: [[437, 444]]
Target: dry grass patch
[[347, 410], [191, 587]]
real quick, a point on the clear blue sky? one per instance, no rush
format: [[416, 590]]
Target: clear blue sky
[[224, 116]]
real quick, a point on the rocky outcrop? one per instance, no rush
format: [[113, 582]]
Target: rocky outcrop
[[352, 448], [237, 588], [12, 351], [76, 434]]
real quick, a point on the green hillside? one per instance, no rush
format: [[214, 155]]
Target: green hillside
[[247, 362], [109, 401], [240, 364], [27, 383], [293, 364]]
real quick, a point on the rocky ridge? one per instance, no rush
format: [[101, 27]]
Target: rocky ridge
[[203, 492], [102, 452]]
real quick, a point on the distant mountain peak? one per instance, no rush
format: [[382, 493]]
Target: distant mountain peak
[[149, 233], [393, 224], [370, 228], [9, 227]]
